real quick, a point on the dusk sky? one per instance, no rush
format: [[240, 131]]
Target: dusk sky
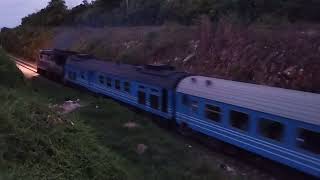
[[11, 11]]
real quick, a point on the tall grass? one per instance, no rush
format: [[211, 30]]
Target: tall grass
[[10, 76], [37, 143]]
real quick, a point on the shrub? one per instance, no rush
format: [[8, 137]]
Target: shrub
[[10, 76]]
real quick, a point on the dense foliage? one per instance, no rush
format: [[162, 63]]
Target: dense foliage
[[52, 15], [25, 41], [142, 12], [36, 29], [10, 76], [146, 12]]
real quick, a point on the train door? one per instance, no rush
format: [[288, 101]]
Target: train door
[[90, 78], [142, 96], [155, 99], [164, 107]]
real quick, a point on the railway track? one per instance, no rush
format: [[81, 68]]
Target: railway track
[[24, 64]]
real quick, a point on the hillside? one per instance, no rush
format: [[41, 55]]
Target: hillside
[[275, 43], [287, 57]]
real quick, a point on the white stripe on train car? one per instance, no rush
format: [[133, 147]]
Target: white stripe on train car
[[250, 138]]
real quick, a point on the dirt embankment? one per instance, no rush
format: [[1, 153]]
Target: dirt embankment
[[286, 56]]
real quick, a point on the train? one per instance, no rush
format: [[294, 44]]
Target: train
[[279, 124]]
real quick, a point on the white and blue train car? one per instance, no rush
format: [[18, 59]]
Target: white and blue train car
[[150, 88], [279, 124]]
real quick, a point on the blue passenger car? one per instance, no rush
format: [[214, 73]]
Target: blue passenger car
[[150, 88], [279, 124]]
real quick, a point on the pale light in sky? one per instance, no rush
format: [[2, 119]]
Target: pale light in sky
[[11, 11]]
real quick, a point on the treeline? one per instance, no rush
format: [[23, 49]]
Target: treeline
[[36, 30], [155, 12], [25, 41]]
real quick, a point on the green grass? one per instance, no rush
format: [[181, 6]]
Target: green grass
[[168, 156], [38, 143]]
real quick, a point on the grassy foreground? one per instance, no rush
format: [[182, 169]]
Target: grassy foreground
[[92, 142], [37, 143], [166, 155]]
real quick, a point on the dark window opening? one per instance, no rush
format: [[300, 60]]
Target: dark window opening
[[60, 60], [83, 75], [141, 97], [154, 102], [101, 79], [117, 85], [69, 74], [271, 129], [194, 106], [74, 76], [185, 100], [309, 140], [154, 90], [109, 82], [239, 120], [164, 100], [213, 113], [127, 87], [49, 58]]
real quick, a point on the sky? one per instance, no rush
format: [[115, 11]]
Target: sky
[[11, 11]]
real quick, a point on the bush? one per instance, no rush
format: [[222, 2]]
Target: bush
[[10, 76]]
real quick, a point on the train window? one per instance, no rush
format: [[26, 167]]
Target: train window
[[142, 98], [271, 129], [127, 87], [60, 60], [239, 120], [109, 82], [185, 100], [83, 75], [74, 75], [213, 112], [70, 75], [154, 101], [117, 84], [101, 79], [309, 140], [194, 106], [154, 90]]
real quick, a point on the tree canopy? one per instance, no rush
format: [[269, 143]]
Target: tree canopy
[[147, 12]]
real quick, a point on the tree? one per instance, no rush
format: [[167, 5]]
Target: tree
[[57, 4], [108, 4], [85, 2]]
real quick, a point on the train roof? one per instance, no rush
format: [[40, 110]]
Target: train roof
[[160, 76], [57, 52], [297, 105]]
